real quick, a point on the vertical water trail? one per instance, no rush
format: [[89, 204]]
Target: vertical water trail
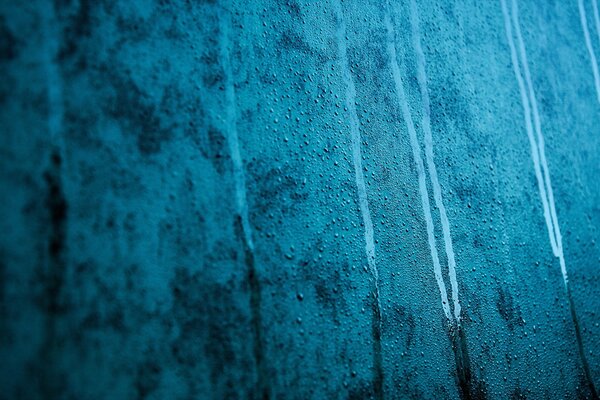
[[350, 101], [528, 123], [538, 155], [414, 142], [242, 221], [596, 18], [230, 112], [590, 47], [467, 387], [555, 231], [437, 192]]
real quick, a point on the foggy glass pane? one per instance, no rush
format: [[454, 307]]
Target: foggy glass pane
[[265, 199]]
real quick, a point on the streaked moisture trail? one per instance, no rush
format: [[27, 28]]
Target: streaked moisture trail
[[437, 191], [540, 164], [230, 111], [588, 40], [242, 221], [453, 316], [536, 140], [350, 103], [414, 142], [467, 388], [596, 17]]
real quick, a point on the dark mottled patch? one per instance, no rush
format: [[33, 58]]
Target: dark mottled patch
[[588, 380], [147, 376], [51, 275], [510, 312], [112, 319], [478, 241], [330, 283], [262, 389], [211, 330], [518, 394], [376, 327], [216, 150], [366, 63], [106, 311], [212, 73], [134, 28], [137, 112], [3, 277], [404, 387], [6, 334], [328, 292], [451, 108], [467, 191], [115, 304], [294, 8], [448, 103], [470, 388], [77, 26], [277, 189], [212, 69], [222, 250], [360, 391], [56, 205], [8, 42], [183, 234], [100, 307], [49, 383], [292, 41], [49, 284], [401, 319]]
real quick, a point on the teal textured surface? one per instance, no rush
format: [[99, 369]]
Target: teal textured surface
[[271, 199]]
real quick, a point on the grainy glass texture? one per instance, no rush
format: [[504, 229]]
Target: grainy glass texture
[[268, 199]]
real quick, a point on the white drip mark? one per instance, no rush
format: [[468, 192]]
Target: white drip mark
[[355, 136], [528, 122], [414, 142], [538, 129], [596, 18], [230, 111], [537, 145], [437, 192], [538, 155], [588, 41]]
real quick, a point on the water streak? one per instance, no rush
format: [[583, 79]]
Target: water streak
[[428, 139], [350, 104], [242, 221], [558, 252], [414, 142], [230, 116], [468, 388], [537, 145], [588, 41], [529, 124], [596, 18], [350, 101]]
